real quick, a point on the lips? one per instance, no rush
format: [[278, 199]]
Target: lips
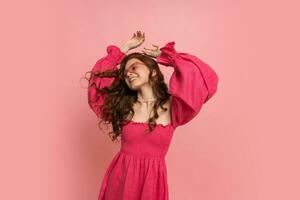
[[132, 79]]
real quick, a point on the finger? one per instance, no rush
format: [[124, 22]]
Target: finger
[[149, 53], [148, 49], [144, 52], [141, 35], [155, 45]]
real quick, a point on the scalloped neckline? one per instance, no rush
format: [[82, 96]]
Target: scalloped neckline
[[146, 123]]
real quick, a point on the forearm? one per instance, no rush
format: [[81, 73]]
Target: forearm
[[124, 49]]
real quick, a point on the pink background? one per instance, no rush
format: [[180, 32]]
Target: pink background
[[244, 144]]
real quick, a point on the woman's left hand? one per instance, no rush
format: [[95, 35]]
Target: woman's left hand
[[152, 52]]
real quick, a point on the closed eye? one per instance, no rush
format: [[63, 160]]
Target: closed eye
[[130, 68]]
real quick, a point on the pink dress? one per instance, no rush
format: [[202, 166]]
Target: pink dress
[[138, 170]]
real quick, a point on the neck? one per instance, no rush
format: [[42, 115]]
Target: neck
[[146, 94]]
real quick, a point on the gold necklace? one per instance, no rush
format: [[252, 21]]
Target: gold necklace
[[146, 100], [146, 110]]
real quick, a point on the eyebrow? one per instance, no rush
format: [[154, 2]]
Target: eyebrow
[[136, 62]]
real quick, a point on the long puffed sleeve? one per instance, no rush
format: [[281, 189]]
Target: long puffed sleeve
[[192, 83], [109, 62]]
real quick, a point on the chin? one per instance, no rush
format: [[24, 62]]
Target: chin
[[134, 87]]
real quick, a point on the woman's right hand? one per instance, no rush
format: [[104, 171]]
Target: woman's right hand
[[137, 39]]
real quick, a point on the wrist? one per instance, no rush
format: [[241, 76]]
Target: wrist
[[124, 49]]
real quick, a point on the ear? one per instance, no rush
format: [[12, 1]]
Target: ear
[[154, 73]]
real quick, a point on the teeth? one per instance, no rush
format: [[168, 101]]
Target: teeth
[[132, 79]]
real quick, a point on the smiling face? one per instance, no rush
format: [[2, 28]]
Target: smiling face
[[136, 74]]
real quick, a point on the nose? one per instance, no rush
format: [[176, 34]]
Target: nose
[[128, 72]]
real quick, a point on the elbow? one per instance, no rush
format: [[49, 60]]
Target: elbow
[[212, 86]]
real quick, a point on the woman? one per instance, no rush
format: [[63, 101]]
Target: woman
[[135, 100]]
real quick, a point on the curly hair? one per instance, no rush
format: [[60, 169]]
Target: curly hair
[[119, 98]]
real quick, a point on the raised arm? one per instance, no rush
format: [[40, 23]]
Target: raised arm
[[109, 62], [192, 83]]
